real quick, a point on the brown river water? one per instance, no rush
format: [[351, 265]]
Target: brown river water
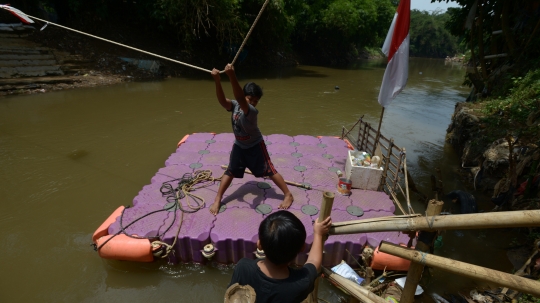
[[69, 158]]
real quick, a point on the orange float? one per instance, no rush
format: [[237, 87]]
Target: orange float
[[349, 145], [122, 247], [103, 229], [383, 260], [182, 141]]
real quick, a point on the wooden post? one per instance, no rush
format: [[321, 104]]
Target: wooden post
[[414, 274], [514, 282], [502, 219], [326, 209]]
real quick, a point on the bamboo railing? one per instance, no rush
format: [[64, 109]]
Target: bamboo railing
[[393, 181]]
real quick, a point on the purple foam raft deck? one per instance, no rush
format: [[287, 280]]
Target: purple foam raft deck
[[233, 232]]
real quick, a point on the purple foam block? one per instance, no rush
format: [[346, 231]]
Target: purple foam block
[[278, 138], [319, 177], [280, 148], [315, 161], [307, 149], [235, 234], [290, 174], [192, 146], [183, 158], [283, 160], [370, 200], [150, 194], [171, 172], [335, 247], [221, 146], [137, 221], [274, 197], [332, 142], [247, 195], [339, 152], [225, 137], [200, 137], [340, 202], [194, 235], [215, 158], [308, 140]]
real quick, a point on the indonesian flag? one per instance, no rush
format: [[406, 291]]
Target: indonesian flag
[[17, 13], [396, 48]]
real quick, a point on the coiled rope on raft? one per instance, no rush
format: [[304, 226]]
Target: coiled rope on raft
[[173, 196], [18, 12]]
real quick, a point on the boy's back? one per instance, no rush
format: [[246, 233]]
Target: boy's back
[[282, 236], [295, 288]]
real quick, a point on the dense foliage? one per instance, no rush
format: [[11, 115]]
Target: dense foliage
[[322, 31], [429, 36]]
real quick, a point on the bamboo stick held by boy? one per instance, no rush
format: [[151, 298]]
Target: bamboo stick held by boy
[[282, 236], [249, 149]]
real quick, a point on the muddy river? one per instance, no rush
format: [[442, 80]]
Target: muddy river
[[69, 158]]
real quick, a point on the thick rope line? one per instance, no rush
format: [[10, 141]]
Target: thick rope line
[[249, 32], [123, 45], [156, 55]]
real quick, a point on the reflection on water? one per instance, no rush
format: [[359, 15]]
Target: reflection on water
[[70, 158]]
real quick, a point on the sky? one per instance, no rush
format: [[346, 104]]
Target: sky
[[426, 5]]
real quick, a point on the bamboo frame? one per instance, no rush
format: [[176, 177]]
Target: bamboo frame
[[503, 219], [464, 269]]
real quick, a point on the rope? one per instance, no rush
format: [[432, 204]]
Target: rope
[[186, 184], [152, 54], [249, 32]]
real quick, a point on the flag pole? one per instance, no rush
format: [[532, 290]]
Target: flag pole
[[378, 131]]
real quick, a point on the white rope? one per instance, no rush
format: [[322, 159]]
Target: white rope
[[143, 51]]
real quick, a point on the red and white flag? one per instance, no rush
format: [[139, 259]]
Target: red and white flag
[[17, 13], [396, 48]]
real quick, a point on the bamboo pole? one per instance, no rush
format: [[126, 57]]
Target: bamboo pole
[[326, 209], [503, 219], [411, 210], [414, 274], [352, 288], [288, 182], [379, 128], [464, 269]]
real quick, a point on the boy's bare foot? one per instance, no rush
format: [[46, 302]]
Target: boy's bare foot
[[287, 201], [214, 209]]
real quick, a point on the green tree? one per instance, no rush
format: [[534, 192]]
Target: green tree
[[429, 36]]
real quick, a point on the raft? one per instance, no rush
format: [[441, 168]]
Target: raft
[[201, 237]]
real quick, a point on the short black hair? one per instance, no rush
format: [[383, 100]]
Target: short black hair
[[282, 236], [252, 89]]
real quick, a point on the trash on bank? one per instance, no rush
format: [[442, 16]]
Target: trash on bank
[[149, 65]]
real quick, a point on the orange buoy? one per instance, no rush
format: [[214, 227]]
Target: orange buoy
[[383, 260], [349, 145], [182, 141], [103, 230], [122, 247]]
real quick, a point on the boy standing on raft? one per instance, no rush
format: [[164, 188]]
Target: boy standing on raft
[[282, 236], [249, 150]]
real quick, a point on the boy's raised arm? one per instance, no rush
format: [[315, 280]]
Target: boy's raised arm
[[320, 230], [226, 103], [237, 90]]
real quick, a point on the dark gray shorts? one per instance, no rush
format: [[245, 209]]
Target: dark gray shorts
[[255, 158]]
